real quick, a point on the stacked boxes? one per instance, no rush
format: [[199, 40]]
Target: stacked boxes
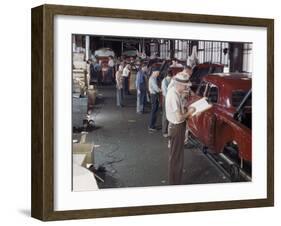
[[83, 95], [79, 110], [79, 81], [79, 74], [79, 89]]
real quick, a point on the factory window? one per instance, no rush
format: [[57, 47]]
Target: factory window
[[164, 49], [213, 52], [201, 90], [213, 94], [153, 49], [238, 96], [224, 56], [185, 47], [201, 51], [247, 57], [182, 49]]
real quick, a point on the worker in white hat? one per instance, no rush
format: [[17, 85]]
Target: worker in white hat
[[177, 117]]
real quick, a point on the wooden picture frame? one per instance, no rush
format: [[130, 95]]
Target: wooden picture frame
[[42, 203]]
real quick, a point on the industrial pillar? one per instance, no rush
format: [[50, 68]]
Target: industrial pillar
[[172, 49], [236, 57], [73, 43], [87, 47]]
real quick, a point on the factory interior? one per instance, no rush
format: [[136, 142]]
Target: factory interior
[[113, 144]]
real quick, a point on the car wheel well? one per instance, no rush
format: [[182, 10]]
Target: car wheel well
[[231, 149]]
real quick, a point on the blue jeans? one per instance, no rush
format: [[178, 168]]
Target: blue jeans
[[126, 86], [141, 98], [119, 97], [154, 109], [110, 74]]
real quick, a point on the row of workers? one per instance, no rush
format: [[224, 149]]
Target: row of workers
[[174, 91]]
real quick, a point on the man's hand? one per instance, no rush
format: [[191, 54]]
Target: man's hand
[[190, 111], [139, 91]]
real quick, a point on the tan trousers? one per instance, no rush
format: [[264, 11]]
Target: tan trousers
[[176, 134]]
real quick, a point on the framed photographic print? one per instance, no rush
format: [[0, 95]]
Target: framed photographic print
[[141, 112]]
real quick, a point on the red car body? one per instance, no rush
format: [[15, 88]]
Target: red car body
[[218, 126], [200, 70], [175, 70]]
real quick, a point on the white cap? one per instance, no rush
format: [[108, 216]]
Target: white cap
[[182, 78]]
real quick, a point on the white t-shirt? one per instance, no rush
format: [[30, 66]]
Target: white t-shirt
[[126, 72], [173, 104], [171, 84]]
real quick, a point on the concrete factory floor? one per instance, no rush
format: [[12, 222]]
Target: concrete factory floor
[[134, 157]]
